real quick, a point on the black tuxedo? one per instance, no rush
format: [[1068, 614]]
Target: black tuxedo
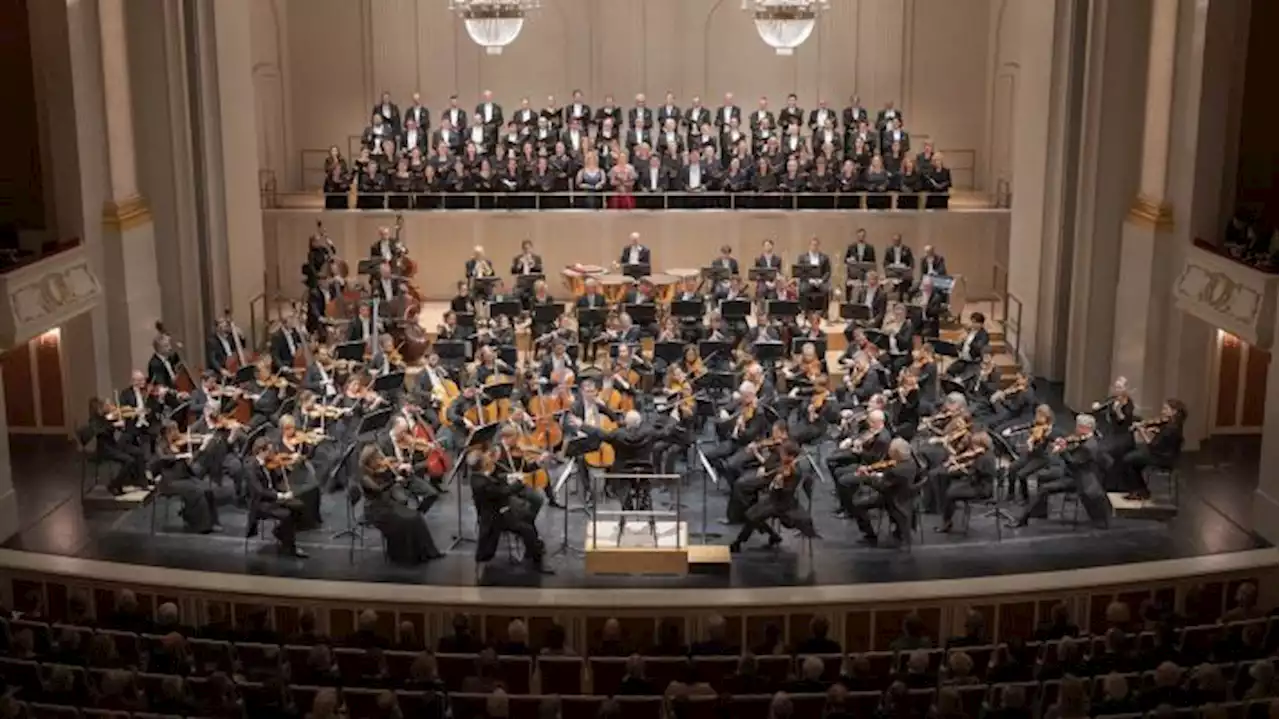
[[851, 116], [696, 117], [967, 363], [938, 180], [790, 115], [933, 265], [815, 124], [898, 255], [886, 141], [453, 140], [612, 111], [625, 256], [755, 120], [581, 113], [495, 119], [386, 290], [517, 265], [637, 137], [390, 113], [653, 179], [668, 112], [419, 114], [356, 331], [280, 351], [526, 117], [457, 117], [824, 269], [567, 139], [415, 139], [159, 374], [719, 116], [641, 117], [884, 116], [372, 138], [216, 355], [864, 253]]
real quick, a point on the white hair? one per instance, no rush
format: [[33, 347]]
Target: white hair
[[899, 449], [632, 419], [957, 399], [1086, 420], [1121, 383], [747, 389], [875, 416], [635, 235]]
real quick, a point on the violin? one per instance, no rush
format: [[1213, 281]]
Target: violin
[[784, 477], [1039, 433], [877, 467], [964, 460], [815, 405]]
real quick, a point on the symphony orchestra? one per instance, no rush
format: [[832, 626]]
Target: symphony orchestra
[[632, 370]]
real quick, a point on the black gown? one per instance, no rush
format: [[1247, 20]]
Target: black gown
[[405, 530], [182, 477]]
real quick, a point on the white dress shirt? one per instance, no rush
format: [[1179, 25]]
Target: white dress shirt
[[695, 176], [488, 112], [633, 258]]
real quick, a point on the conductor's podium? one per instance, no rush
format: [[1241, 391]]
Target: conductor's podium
[[625, 543]]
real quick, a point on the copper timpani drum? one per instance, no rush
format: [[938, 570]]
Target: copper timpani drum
[[664, 287], [685, 273], [615, 287], [575, 277]]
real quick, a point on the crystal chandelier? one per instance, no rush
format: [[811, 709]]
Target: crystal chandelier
[[493, 24], [785, 24]]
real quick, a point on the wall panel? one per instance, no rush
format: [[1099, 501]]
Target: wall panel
[[930, 57]]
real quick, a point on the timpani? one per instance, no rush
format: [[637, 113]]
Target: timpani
[[664, 287], [615, 287], [575, 277]]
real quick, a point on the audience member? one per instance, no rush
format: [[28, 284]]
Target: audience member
[[102, 653], [319, 669], [810, 680], [366, 634], [960, 669], [913, 635], [1116, 697], [324, 705], [1207, 686], [221, 698], [781, 707], [1166, 690], [715, 644], [688, 684], [771, 643], [634, 682], [1059, 625], [424, 674], [1062, 658], [669, 642], [408, 640], [917, 673], [975, 631], [611, 643], [167, 620], [78, 613], [173, 698], [1118, 616], [747, 679], [837, 703], [117, 691], [817, 641], [217, 628], [307, 633], [517, 641], [1258, 683], [1011, 703], [170, 656], [462, 640], [126, 616], [1073, 700], [947, 705], [67, 647], [554, 643], [60, 687], [486, 678], [857, 675], [896, 702], [1010, 663]]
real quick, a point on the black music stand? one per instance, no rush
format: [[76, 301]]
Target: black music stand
[[494, 392], [547, 314], [369, 266], [768, 351], [374, 421], [877, 338], [506, 308], [637, 270], [247, 373], [735, 309], [451, 349], [855, 312], [944, 348], [389, 382], [508, 354], [670, 352], [715, 273], [783, 309], [480, 437], [707, 348], [524, 283], [352, 351], [642, 315], [687, 309], [592, 316], [806, 271], [762, 274], [483, 286], [465, 319], [858, 270]]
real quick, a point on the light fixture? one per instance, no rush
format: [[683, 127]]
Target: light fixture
[[784, 25], [493, 24]]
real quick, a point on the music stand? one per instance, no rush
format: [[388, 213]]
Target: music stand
[[783, 308], [715, 273], [915, 314], [762, 274], [820, 347], [505, 308], [645, 314], [524, 283], [508, 354], [806, 271], [725, 381], [670, 352], [708, 348], [943, 283], [485, 283], [877, 338], [465, 319], [768, 351], [735, 309], [897, 272], [451, 349], [687, 309], [944, 348], [352, 351], [855, 312], [369, 266], [592, 317], [547, 314], [494, 392], [636, 271], [858, 270], [389, 382], [375, 421], [247, 373]]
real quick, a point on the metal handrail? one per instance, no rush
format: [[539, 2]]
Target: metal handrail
[[587, 200]]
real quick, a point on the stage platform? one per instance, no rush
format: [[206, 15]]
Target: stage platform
[[46, 478]]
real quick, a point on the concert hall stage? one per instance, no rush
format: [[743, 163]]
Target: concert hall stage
[[46, 474]]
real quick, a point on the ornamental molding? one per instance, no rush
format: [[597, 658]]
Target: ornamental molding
[[46, 294], [1232, 297]]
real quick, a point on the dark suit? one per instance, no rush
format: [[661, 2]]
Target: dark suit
[[933, 265], [281, 353], [390, 113], [386, 290], [938, 180], [790, 115], [419, 114], [453, 140], [696, 117], [893, 491], [526, 117], [642, 252], [719, 116], [887, 139], [756, 119], [859, 253], [580, 112], [493, 120], [851, 116], [611, 112], [815, 124], [641, 117], [159, 374], [264, 501], [968, 362], [651, 179], [899, 255], [361, 330]]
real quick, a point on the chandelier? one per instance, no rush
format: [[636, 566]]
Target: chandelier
[[784, 25], [493, 24]]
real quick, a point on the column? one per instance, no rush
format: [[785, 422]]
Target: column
[[227, 142], [128, 235], [1108, 177], [1139, 336]]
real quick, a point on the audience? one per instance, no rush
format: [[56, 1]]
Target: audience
[[462, 640], [1148, 671]]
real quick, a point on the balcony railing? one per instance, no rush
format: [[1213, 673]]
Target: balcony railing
[[1228, 294], [43, 293], [553, 201]]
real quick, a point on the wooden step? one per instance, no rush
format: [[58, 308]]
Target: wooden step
[[1154, 508], [99, 498], [710, 559]]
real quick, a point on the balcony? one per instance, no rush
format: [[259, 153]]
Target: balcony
[[44, 292], [1228, 294]]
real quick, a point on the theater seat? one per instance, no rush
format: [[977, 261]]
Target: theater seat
[[606, 674], [640, 707], [560, 675], [515, 673], [454, 668], [750, 706]]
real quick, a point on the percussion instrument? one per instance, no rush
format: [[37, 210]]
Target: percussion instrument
[[414, 344], [575, 277], [664, 287], [685, 273], [615, 287]]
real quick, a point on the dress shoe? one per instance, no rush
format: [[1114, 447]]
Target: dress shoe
[[943, 529], [870, 540], [775, 540], [298, 553]]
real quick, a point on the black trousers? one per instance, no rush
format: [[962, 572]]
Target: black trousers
[[287, 514], [132, 461], [1025, 467], [959, 486], [785, 509], [1132, 465], [869, 500]]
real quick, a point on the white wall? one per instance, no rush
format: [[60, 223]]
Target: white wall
[[319, 64]]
